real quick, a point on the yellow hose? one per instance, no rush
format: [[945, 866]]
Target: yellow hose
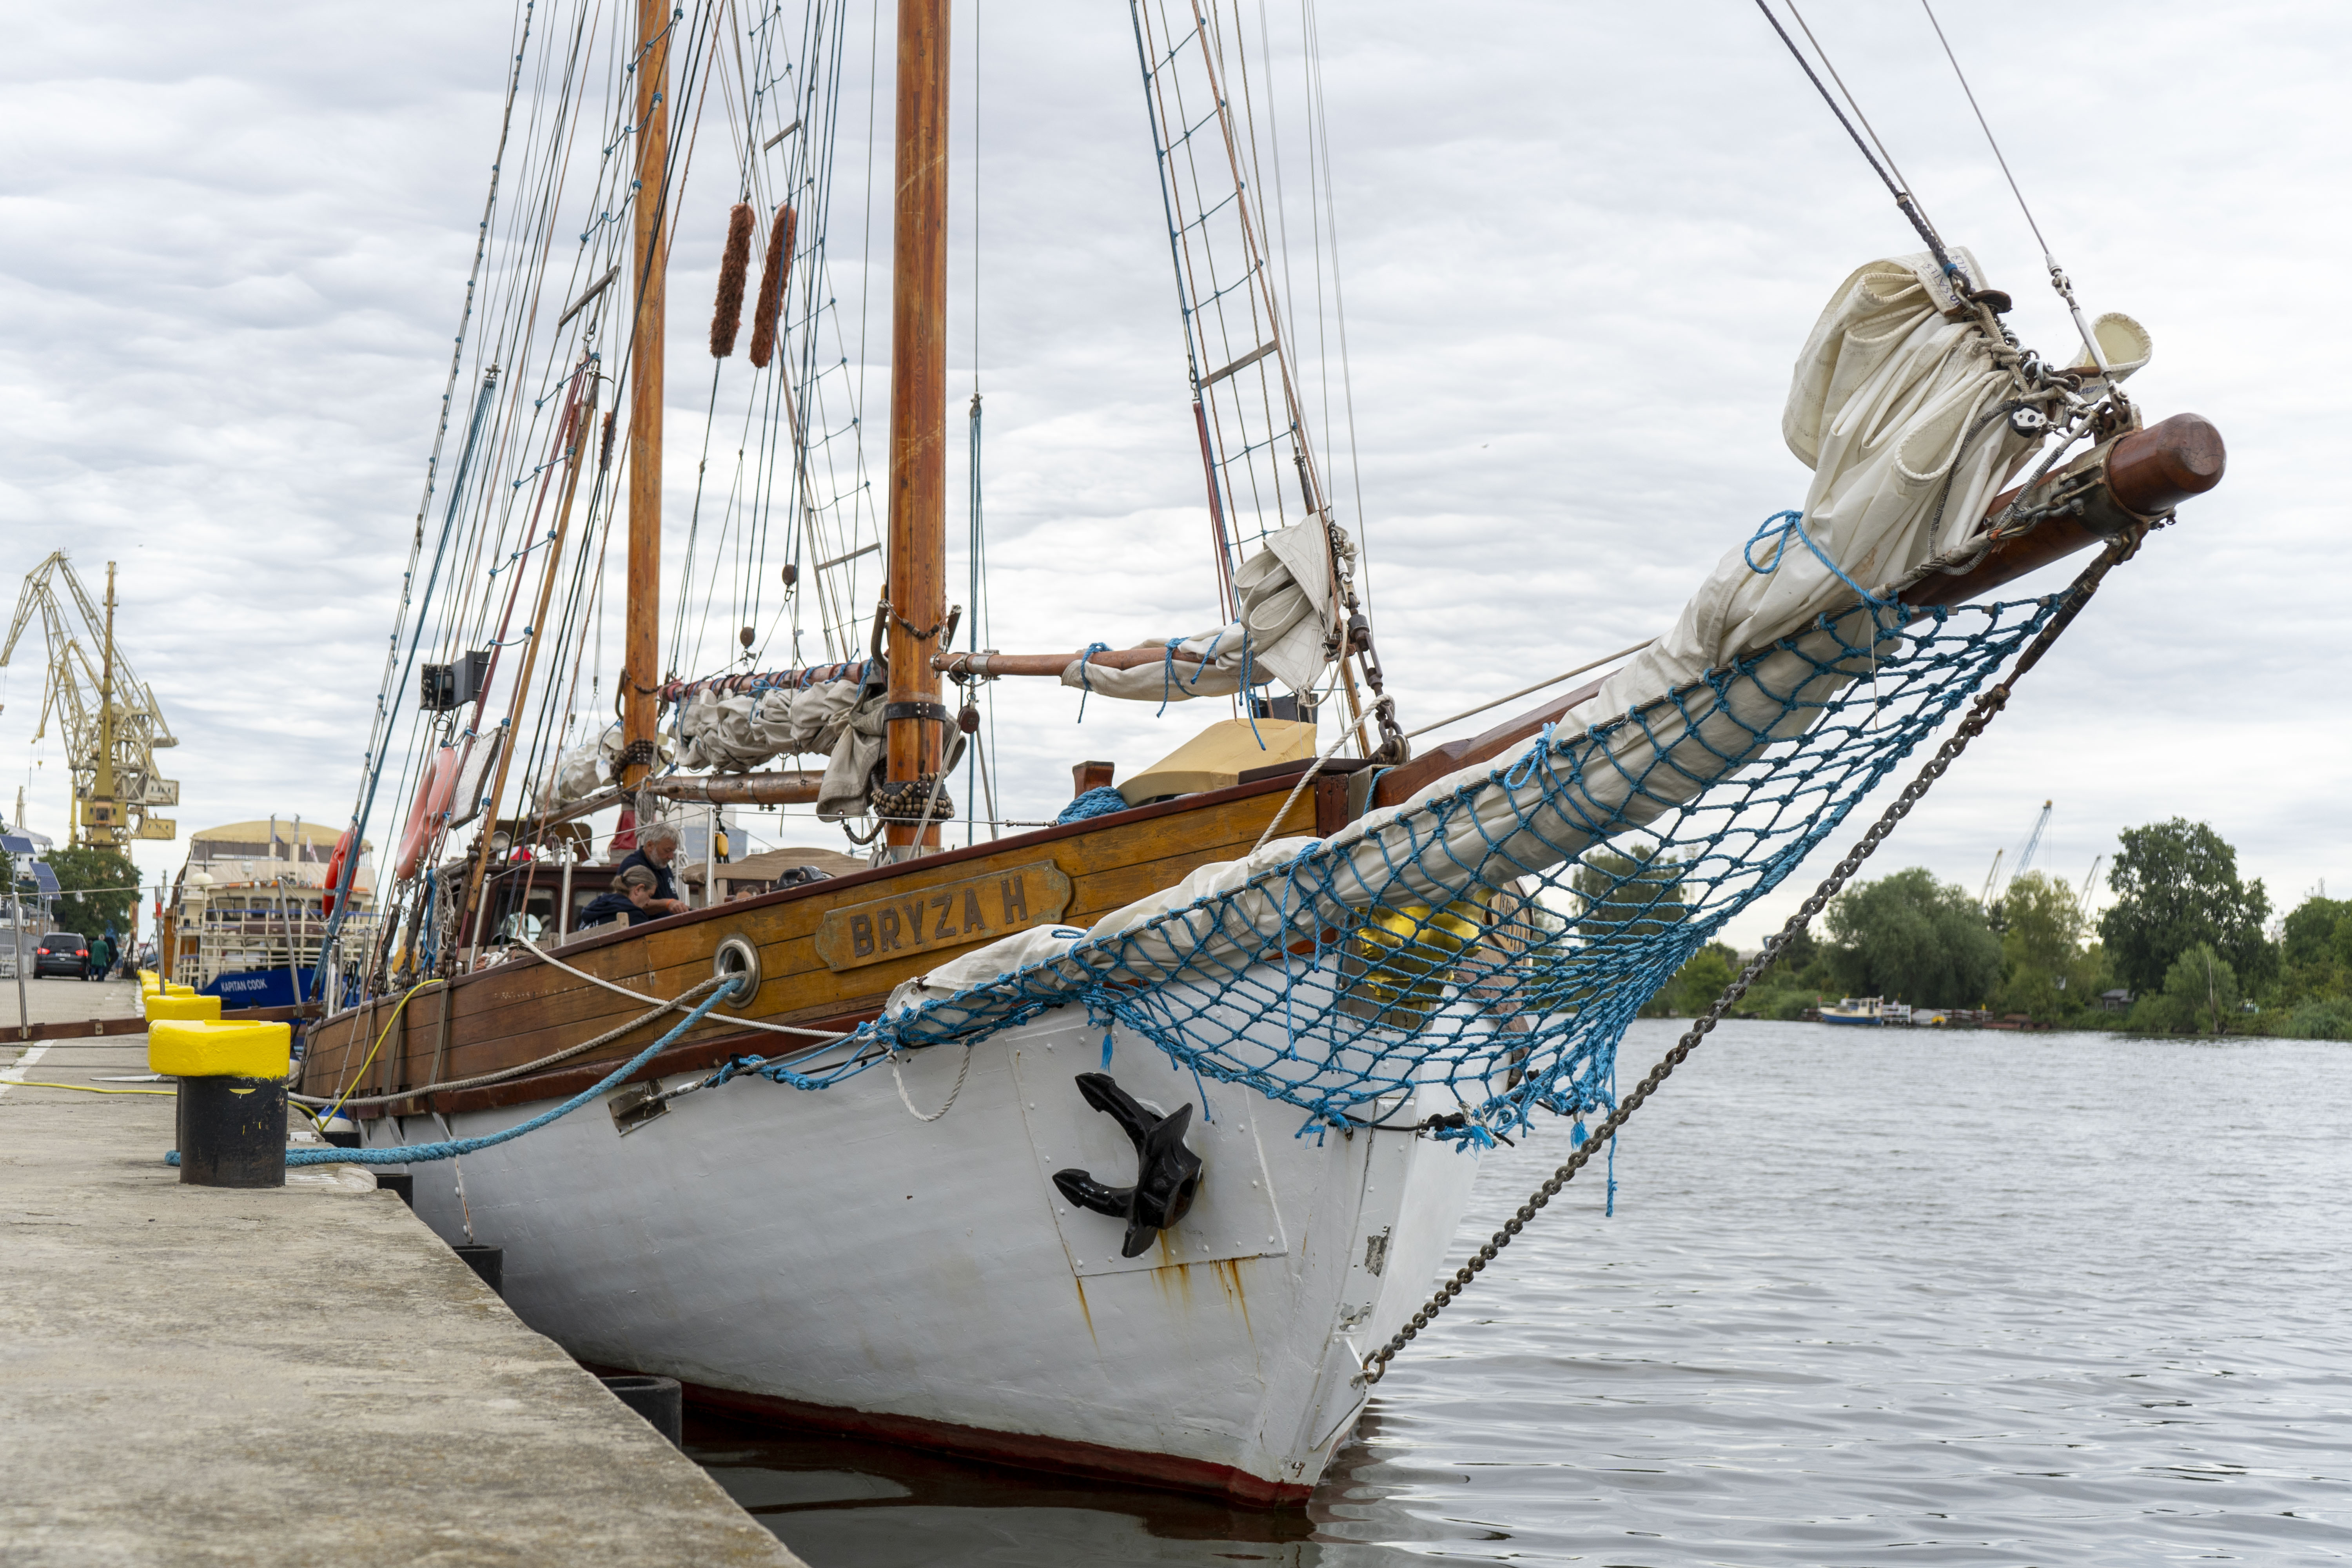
[[322, 1119], [77, 1088]]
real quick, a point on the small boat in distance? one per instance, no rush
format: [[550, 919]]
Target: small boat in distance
[[1870, 1010]]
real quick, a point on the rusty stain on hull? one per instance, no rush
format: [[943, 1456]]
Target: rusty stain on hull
[[1087, 1313], [1177, 1277]]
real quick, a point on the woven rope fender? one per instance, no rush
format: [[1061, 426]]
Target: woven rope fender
[[1981, 714]]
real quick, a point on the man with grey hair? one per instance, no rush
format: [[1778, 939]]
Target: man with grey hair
[[657, 847]]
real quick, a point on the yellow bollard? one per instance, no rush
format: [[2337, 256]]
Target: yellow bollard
[[203, 1009], [232, 1105], [194, 1048]]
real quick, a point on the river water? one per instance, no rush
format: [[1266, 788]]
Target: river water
[[1868, 1297]]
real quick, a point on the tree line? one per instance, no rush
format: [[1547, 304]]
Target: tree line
[[2191, 942]]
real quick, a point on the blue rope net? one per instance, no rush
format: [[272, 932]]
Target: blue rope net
[[1491, 942]]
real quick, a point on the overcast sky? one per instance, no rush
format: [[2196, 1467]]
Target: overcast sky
[[1581, 246]]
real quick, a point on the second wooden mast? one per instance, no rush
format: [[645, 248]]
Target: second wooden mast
[[641, 669], [915, 600], [914, 603]]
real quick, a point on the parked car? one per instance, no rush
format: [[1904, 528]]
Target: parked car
[[61, 952]]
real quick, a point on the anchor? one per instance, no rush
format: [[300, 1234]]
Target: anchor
[[1168, 1174]]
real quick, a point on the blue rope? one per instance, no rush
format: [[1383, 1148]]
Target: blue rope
[[1778, 527], [419, 1154], [1086, 682], [1094, 802]]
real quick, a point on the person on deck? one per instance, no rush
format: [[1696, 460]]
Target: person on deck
[[100, 962], [657, 847], [631, 901]]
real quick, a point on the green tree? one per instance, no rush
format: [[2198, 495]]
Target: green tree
[[2176, 885], [1629, 896], [1696, 984], [2315, 952], [2314, 934], [2200, 997], [99, 887], [2044, 970], [1907, 938]]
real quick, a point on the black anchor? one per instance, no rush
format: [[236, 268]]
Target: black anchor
[[1168, 1174]]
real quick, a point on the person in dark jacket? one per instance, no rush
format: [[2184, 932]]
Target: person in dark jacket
[[631, 901], [657, 847], [101, 959]]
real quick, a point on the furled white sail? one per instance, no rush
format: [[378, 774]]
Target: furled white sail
[[1288, 615]]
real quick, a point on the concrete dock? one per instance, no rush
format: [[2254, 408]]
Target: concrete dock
[[305, 1375]]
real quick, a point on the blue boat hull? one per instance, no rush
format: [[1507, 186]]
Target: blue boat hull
[[259, 988]]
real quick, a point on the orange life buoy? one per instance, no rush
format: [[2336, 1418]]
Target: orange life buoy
[[430, 809], [335, 868]]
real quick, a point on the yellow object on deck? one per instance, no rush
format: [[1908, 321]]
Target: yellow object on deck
[[194, 1047], [207, 1008], [1218, 757], [173, 988]]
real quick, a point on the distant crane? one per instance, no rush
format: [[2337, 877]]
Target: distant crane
[[2090, 882], [2024, 858], [111, 722], [2032, 841]]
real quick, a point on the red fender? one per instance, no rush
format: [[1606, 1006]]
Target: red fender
[[343, 849], [432, 809]]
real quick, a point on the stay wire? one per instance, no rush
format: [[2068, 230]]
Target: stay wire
[[2058, 280], [1851, 102], [1903, 198]]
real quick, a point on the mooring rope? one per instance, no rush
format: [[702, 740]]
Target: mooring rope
[[545, 957], [1991, 703], [449, 1149], [527, 1068]]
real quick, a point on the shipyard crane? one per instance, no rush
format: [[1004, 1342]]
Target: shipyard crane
[[2024, 858], [1984, 900], [2090, 886], [2032, 842], [110, 722]]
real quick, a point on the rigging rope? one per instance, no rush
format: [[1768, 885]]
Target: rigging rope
[[1961, 282], [2058, 280]]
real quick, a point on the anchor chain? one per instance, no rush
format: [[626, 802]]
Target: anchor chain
[[1994, 698]]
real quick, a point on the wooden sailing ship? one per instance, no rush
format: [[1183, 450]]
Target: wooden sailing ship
[[829, 1257]]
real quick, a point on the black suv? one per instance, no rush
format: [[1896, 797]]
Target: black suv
[[61, 952]]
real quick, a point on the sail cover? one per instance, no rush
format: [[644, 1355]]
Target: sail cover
[[1289, 616]]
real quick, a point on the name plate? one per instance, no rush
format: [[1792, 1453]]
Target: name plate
[[954, 914]]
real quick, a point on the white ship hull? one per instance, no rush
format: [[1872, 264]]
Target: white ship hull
[[828, 1257]]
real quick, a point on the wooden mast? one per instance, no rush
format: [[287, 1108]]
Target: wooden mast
[[915, 605], [641, 632]]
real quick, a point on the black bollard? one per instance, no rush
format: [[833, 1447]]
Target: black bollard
[[658, 1399], [490, 1262], [403, 1185], [232, 1131]]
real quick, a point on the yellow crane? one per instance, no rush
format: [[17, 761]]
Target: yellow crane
[[111, 724]]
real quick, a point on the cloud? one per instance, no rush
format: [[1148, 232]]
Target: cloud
[[1580, 249]]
